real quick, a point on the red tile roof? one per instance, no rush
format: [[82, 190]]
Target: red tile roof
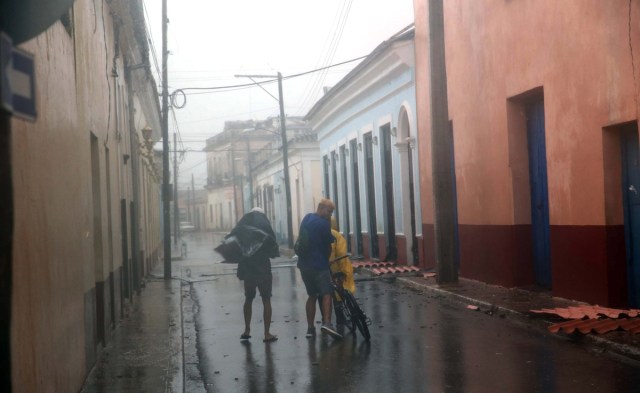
[[599, 326], [588, 311], [599, 319], [384, 268]]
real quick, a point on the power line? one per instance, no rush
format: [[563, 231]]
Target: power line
[[150, 39], [324, 68], [234, 115], [214, 89], [333, 45], [195, 165]]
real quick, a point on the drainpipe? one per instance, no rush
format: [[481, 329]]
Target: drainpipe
[[441, 152]]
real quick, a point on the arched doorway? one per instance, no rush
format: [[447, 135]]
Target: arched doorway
[[406, 145]]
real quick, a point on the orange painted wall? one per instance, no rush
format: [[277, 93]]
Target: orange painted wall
[[578, 55], [423, 115], [578, 51]]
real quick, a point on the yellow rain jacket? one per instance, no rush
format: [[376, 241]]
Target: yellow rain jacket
[[338, 249]]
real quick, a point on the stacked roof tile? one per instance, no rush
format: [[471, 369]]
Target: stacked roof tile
[[598, 319], [385, 268]]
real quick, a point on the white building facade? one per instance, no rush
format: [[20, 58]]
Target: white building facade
[[366, 127]]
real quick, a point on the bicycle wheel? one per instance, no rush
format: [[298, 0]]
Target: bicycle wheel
[[359, 319], [343, 315], [361, 323], [343, 318]]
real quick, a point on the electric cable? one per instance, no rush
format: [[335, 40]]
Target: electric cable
[[214, 89], [337, 36]]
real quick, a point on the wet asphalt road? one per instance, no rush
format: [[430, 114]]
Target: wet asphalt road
[[420, 342]]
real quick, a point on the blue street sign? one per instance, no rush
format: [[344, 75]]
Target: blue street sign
[[23, 84], [17, 80], [5, 63]]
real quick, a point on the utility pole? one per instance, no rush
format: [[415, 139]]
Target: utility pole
[[234, 179], [166, 188], [192, 215], [249, 172], [285, 149], [176, 216], [441, 151], [285, 159]]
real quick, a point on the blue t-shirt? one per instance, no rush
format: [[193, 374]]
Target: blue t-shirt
[[320, 239]]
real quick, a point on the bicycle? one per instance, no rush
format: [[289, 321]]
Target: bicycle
[[347, 308]]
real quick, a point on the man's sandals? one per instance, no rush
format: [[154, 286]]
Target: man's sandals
[[270, 339]]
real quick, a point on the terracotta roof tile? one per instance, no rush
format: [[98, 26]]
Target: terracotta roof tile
[[382, 268], [588, 311], [599, 326]]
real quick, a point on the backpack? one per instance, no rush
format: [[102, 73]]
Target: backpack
[[302, 247]]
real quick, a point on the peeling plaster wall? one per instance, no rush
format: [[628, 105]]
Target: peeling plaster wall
[[63, 274], [51, 196]]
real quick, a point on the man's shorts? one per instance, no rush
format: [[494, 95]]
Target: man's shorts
[[317, 282], [261, 281]]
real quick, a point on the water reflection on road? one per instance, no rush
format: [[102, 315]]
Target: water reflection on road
[[420, 343]]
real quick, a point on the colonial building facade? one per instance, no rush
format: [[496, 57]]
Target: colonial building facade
[[85, 191], [245, 169], [366, 128], [543, 99]]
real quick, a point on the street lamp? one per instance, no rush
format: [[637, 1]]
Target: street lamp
[[285, 152], [148, 142]]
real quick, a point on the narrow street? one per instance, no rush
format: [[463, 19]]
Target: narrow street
[[420, 342]]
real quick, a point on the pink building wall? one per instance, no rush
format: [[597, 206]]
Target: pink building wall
[[423, 115], [576, 54]]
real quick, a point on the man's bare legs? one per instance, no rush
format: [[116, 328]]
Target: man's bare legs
[[326, 305], [327, 327], [311, 311], [266, 316], [326, 308], [247, 317]]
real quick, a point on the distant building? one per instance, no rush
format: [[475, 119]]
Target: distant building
[[193, 207], [230, 160], [304, 171], [245, 169]]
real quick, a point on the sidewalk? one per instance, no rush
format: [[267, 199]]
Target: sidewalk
[[154, 348], [515, 304], [145, 354]]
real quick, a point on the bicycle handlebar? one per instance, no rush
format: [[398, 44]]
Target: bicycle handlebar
[[339, 258]]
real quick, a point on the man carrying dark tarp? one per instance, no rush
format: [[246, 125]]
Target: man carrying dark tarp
[[252, 243]]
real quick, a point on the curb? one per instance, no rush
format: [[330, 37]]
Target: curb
[[193, 381], [599, 343]]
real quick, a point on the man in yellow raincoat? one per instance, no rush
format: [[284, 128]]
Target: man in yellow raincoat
[[339, 249]]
